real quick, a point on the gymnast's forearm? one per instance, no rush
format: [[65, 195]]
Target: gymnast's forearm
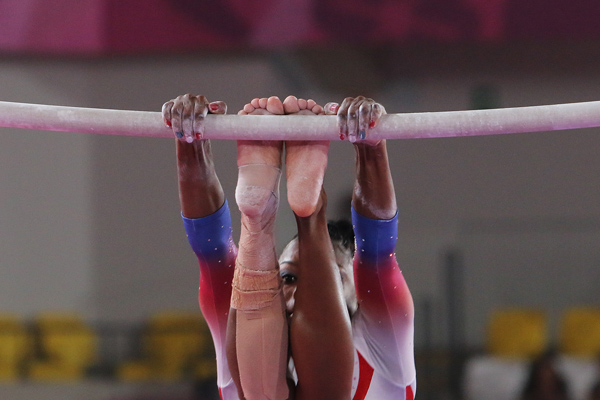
[[373, 196], [200, 192]]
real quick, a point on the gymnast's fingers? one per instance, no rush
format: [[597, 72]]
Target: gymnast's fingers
[[200, 109], [365, 111], [376, 113], [352, 119], [187, 117], [176, 111], [342, 116], [331, 108], [217, 107], [166, 112], [370, 113]]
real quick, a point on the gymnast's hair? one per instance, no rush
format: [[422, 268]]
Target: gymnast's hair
[[341, 231]]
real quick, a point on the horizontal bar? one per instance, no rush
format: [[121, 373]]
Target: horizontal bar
[[305, 127]]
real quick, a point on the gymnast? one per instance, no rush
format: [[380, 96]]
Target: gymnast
[[345, 340]]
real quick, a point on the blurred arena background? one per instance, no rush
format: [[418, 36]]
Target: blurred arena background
[[499, 236]]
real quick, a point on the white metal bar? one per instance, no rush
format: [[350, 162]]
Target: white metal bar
[[263, 127]]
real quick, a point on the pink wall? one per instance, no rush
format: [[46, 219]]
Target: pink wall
[[100, 27]]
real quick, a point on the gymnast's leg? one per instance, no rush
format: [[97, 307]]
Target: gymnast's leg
[[320, 332], [257, 329]]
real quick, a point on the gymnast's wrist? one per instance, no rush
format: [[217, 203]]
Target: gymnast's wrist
[[370, 149], [198, 150]]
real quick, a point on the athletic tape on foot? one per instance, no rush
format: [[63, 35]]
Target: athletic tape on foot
[[257, 189]]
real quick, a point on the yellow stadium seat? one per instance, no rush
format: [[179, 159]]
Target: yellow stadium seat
[[68, 347], [517, 332], [205, 369], [15, 347], [580, 332], [136, 371], [50, 371], [174, 344]]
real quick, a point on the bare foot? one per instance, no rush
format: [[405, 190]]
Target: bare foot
[[306, 162], [259, 163]]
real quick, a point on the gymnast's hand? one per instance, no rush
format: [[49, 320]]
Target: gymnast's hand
[[356, 116], [185, 115]]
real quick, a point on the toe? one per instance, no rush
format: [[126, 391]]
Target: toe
[[256, 103], [302, 104], [290, 105], [274, 105], [317, 109]]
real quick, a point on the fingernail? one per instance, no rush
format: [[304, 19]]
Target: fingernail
[[189, 139], [362, 135], [213, 107], [198, 135], [333, 107], [372, 124], [179, 134], [342, 136], [169, 124]]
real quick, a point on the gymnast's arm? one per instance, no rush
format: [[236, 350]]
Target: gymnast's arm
[[200, 192], [206, 219], [386, 310]]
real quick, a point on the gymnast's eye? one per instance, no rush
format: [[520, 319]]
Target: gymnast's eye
[[288, 278]]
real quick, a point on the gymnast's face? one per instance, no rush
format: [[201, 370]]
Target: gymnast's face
[[288, 264]]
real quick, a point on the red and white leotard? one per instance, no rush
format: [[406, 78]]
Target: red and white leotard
[[383, 326]]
